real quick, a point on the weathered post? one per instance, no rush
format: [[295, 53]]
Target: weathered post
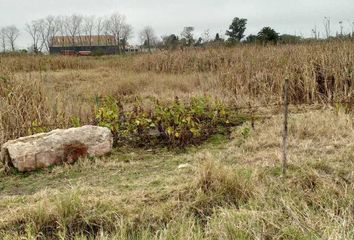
[[285, 130]]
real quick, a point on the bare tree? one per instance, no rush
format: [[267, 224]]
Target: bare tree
[[148, 37], [79, 30], [33, 29], [315, 33], [73, 26], [127, 31], [55, 30], [60, 23], [11, 34], [327, 25], [206, 35], [351, 26], [89, 28], [99, 29], [3, 39], [116, 25], [48, 29], [106, 30]]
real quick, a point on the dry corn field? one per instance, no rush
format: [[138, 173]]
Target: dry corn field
[[230, 186]]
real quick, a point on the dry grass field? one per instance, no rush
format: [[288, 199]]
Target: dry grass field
[[232, 187]]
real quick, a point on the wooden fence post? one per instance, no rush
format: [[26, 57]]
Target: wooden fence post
[[285, 130]]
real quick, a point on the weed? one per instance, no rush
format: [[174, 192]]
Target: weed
[[177, 124]]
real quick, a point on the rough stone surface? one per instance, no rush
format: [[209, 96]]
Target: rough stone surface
[[58, 146]]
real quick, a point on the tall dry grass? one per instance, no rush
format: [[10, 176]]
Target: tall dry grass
[[26, 109], [317, 71], [242, 75], [31, 63]]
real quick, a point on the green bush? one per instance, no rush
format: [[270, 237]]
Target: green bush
[[177, 124]]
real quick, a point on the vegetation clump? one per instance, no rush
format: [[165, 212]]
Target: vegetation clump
[[177, 124], [63, 217], [219, 186]]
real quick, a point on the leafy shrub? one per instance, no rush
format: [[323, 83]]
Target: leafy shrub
[[177, 124], [37, 127]]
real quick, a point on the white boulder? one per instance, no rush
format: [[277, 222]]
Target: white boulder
[[55, 147]]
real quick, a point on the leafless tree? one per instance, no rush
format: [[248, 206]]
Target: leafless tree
[[206, 35], [116, 25], [60, 23], [33, 29], [48, 29], [73, 26], [127, 32], [11, 34], [78, 29], [351, 26], [315, 33], [148, 37], [106, 30], [327, 25], [3, 39], [99, 29], [89, 27]]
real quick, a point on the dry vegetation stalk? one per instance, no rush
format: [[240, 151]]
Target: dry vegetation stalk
[[246, 74]]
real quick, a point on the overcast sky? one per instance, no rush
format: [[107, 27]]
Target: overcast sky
[[167, 16]]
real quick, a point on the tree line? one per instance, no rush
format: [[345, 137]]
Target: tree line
[[236, 35], [42, 31]]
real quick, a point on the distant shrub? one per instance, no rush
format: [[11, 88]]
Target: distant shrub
[[98, 53]]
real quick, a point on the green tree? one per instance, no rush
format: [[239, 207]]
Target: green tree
[[268, 34], [199, 42], [218, 39], [237, 29], [251, 38], [171, 41]]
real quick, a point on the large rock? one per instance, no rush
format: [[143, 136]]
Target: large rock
[[58, 146]]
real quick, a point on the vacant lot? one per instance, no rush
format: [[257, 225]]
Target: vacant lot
[[227, 187]]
